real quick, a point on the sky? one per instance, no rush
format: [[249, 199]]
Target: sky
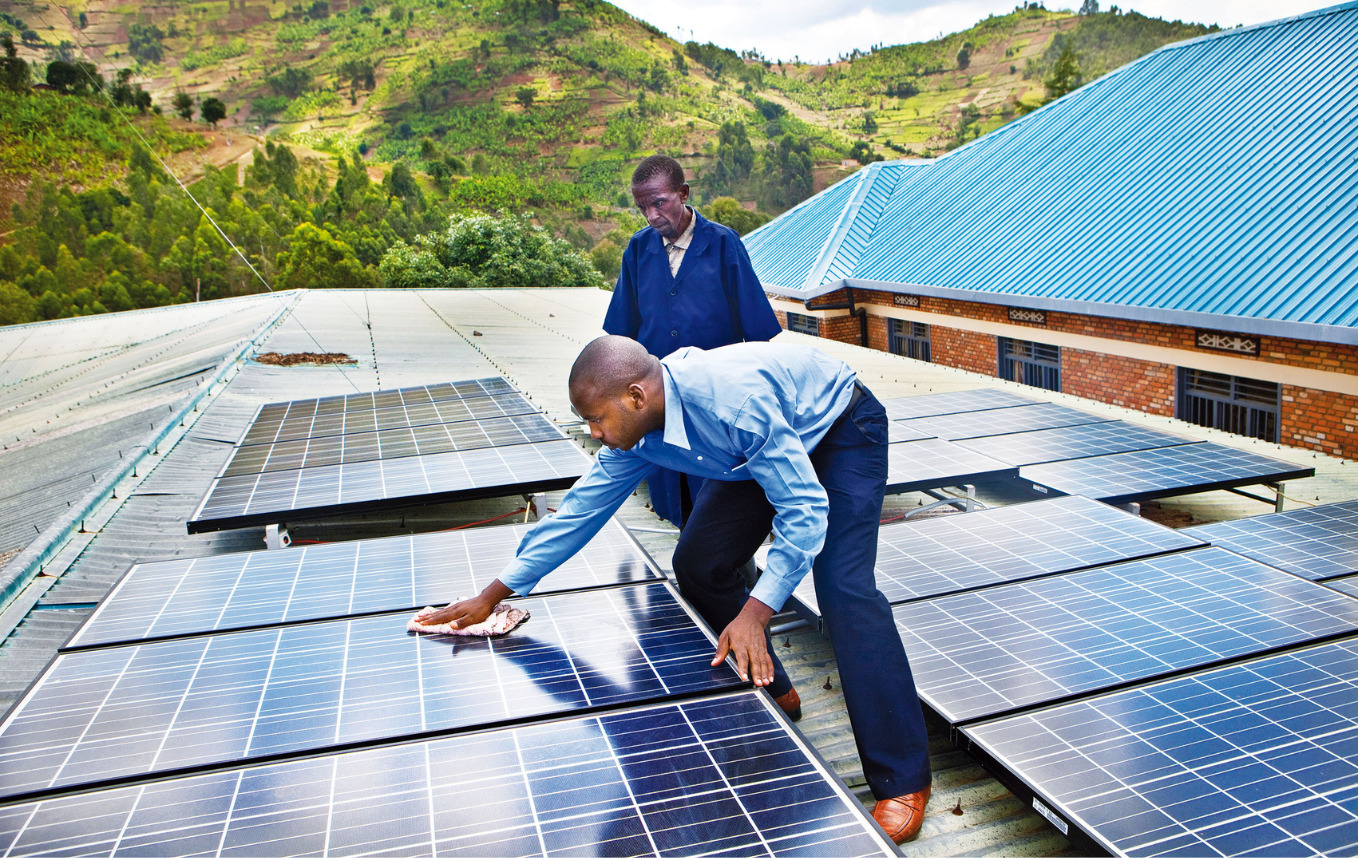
[[819, 30]]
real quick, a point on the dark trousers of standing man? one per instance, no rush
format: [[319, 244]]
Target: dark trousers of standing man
[[731, 519]]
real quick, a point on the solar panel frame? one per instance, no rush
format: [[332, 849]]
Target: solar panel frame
[[469, 388], [953, 402], [961, 552], [386, 444], [256, 589], [933, 463], [1161, 472], [1315, 543], [898, 432], [332, 490], [725, 774], [1006, 421], [100, 716], [1002, 649], [1254, 757], [1073, 442], [281, 426], [1347, 585]]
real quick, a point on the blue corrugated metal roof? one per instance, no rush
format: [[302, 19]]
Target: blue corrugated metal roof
[[1214, 180]]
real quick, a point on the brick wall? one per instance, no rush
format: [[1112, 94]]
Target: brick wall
[[964, 349], [1320, 420], [1145, 385]]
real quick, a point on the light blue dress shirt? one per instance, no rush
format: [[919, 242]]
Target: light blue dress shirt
[[739, 412]]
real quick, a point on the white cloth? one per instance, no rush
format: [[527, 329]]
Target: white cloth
[[501, 621], [675, 249]]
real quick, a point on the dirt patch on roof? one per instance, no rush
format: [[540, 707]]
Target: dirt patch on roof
[[298, 358]]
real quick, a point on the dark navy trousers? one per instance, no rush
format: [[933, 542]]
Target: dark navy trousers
[[728, 523]]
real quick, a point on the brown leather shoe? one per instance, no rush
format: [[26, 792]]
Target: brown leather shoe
[[791, 704], [902, 816]]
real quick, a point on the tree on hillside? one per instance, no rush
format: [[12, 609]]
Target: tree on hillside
[[76, 78], [787, 171], [1065, 75], [1089, 7], [525, 96], [735, 157], [143, 42], [317, 260], [213, 111], [291, 82], [182, 104], [477, 251], [964, 55], [14, 72], [728, 212]]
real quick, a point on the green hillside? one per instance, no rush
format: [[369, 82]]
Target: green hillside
[[502, 106]]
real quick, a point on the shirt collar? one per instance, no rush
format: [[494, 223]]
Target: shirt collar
[[676, 433], [686, 238]]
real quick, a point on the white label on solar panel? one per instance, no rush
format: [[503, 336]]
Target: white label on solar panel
[[1037, 488], [1048, 814]]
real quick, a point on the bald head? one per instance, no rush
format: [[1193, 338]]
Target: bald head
[[616, 388], [609, 364]]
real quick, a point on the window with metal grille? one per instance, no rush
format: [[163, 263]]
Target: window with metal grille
[[1030, 363], [803, 324], [910, 339], [1231, 403]]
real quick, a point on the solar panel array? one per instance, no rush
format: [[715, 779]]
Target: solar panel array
[[1072, 442], [1162, 472], [1316, 542], [1253, 758], [392, 444], [261, 588], [269, 498], [373, 451], [992, 651], [1003, 421], [725, 776], [953, 553], [933, 463], [952, 402], [292, 421]]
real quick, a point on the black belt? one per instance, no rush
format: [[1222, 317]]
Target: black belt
[[858, 391]]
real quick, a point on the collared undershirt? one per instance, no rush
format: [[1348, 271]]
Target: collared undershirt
[[675, 249]]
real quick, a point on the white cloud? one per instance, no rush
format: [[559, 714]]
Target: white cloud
[[817, 30]]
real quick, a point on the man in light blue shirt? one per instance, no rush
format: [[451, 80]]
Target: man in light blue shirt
[[787, 439]]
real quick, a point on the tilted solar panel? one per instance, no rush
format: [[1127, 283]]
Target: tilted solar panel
[[952, 553], [405, 396], [1255, 758], [308, 493], [1003, 421], [310, 582], [283, 424], [722, 775], [898, 431], [1072, 442], [988, 652], [952, 402], [1347, 584], [392, 444], [1314, 542], [100, 714], [933, 463], [1162, 472]]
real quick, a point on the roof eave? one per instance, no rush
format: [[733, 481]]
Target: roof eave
[[1339, 334]]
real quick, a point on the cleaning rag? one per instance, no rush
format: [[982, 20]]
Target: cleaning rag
[[501, 621]]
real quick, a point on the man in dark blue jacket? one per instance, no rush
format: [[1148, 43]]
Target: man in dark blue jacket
[[685, 281]]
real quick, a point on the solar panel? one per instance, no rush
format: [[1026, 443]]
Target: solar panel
[[991, 651], [1256, 758], [934, 463], [273, 423], [392, 444], [1347, 585], [405, 396], [1002, 421], [1072, 442], [952, 553], [1162, 472], [898, 432], [261, 588], [1314, 542], [952, 402], [714, 776], [277, 496], [106, 713]]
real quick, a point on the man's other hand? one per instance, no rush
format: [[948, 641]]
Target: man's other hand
[[471, 611], [744, 640]]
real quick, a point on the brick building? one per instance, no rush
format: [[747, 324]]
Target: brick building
[[1179, 236]]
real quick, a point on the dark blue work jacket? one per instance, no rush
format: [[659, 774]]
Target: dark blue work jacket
[[715, 300]]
